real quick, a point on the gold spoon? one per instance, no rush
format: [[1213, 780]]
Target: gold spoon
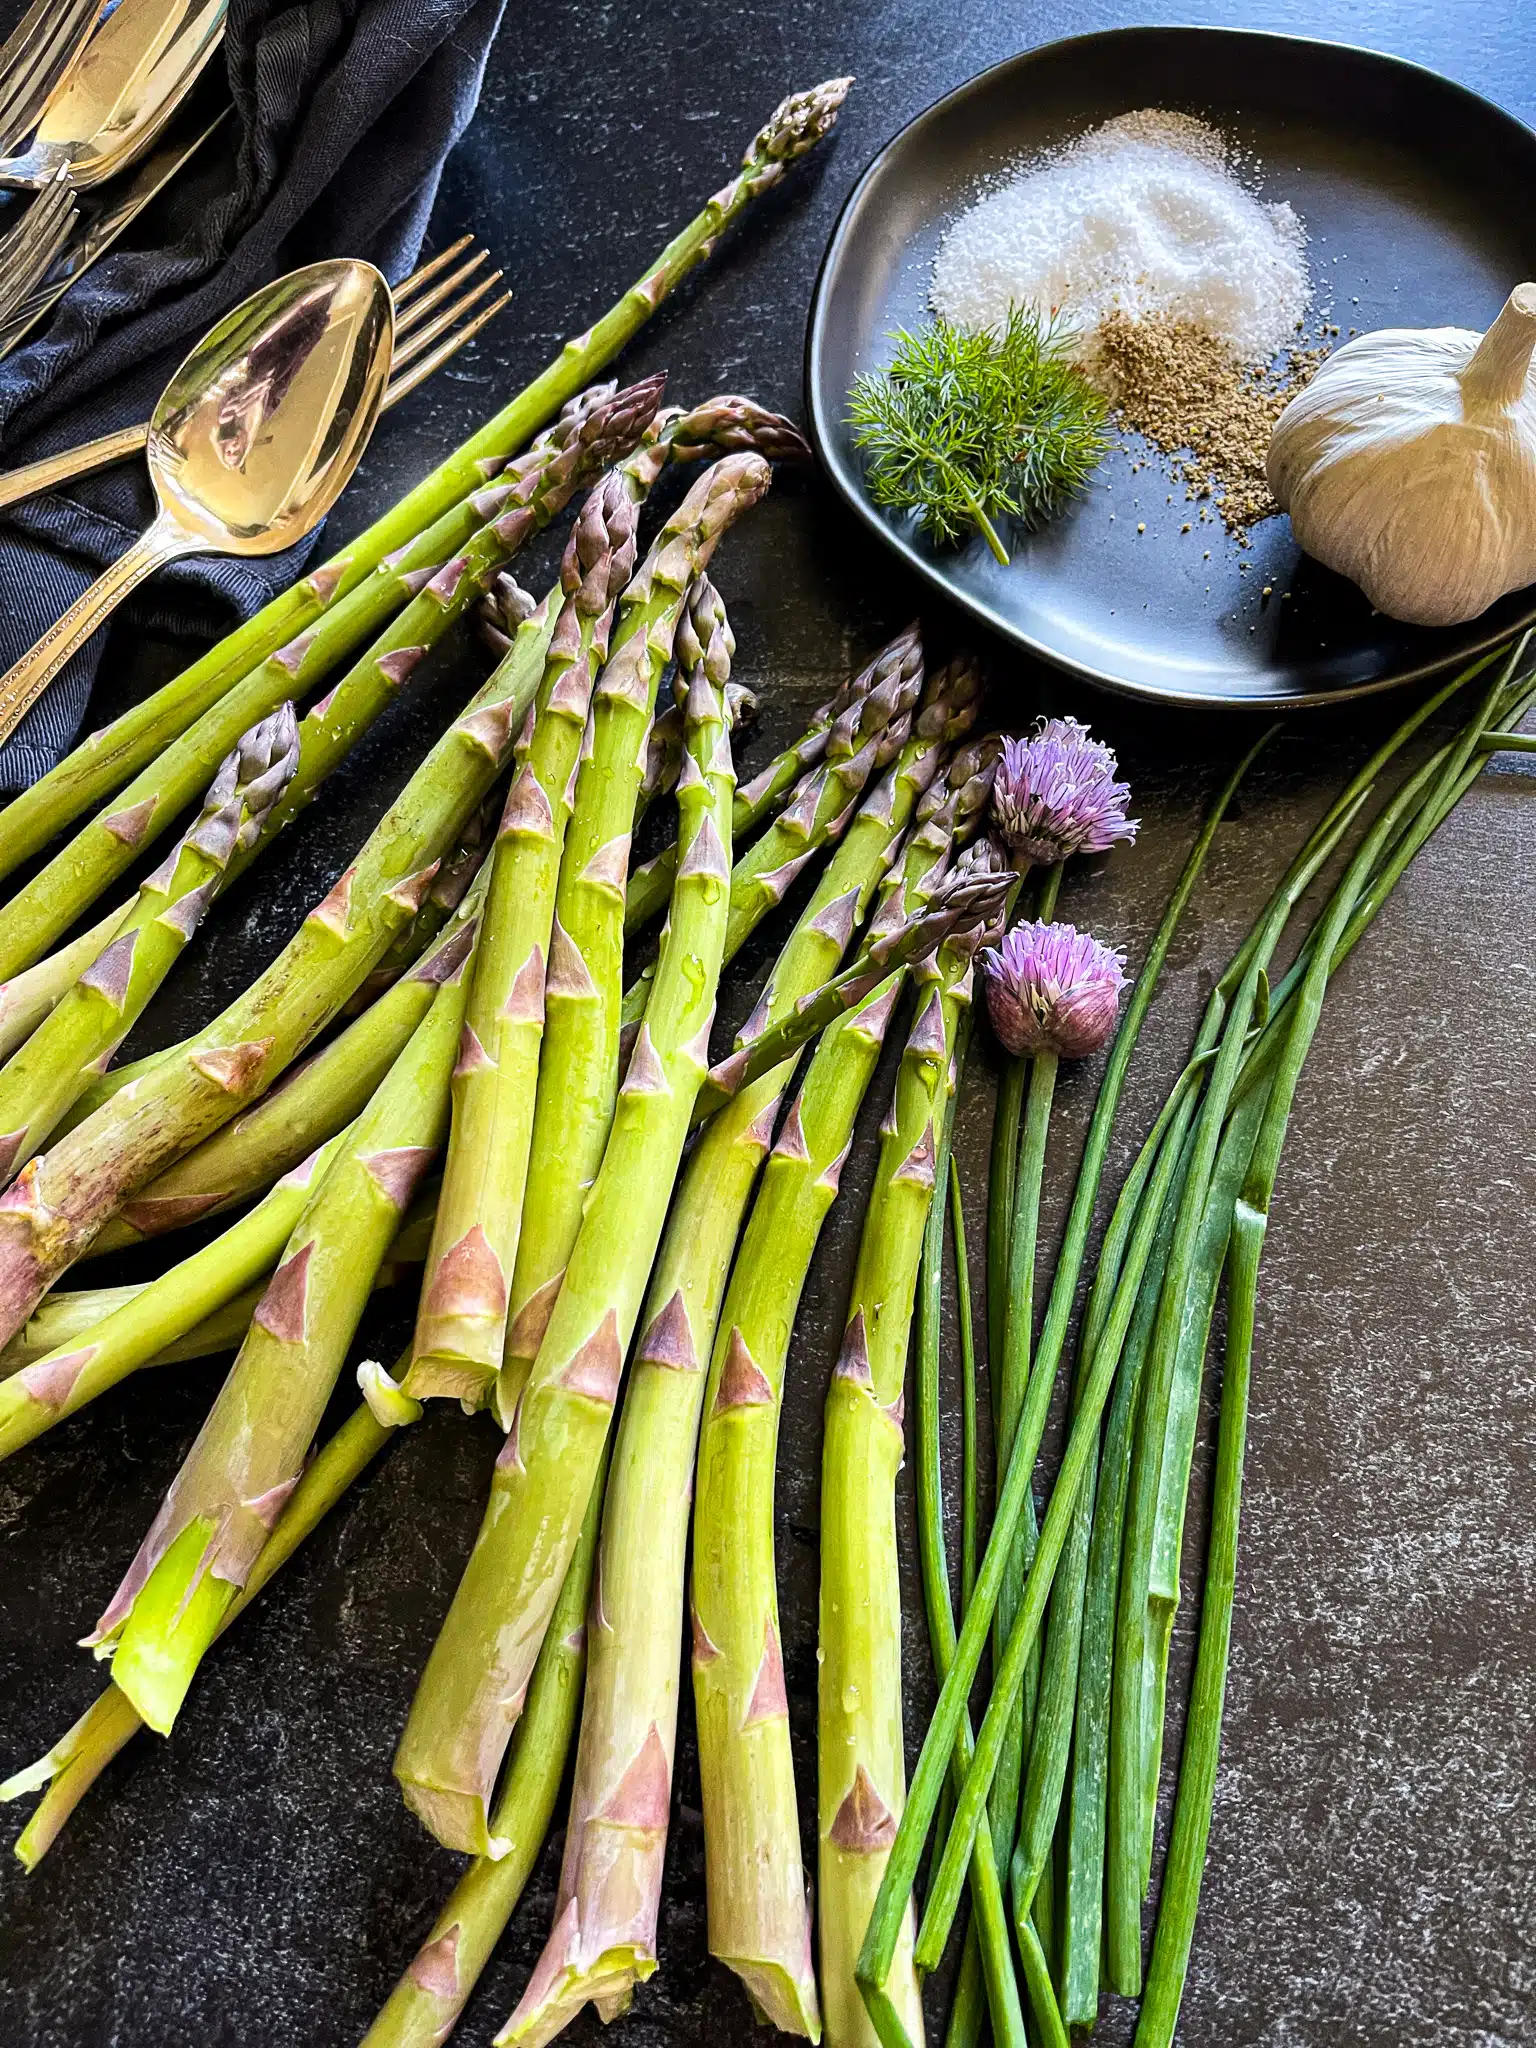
[[253, 441], [133, 73]]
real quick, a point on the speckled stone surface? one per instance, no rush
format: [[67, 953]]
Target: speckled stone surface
[[255, 1882]]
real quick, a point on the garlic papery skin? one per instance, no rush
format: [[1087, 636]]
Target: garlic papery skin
[[1409, 465]]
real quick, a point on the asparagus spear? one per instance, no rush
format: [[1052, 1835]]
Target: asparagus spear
[[758, 1923], [767, 793], [106, 760], [462, 1322], [578, 1066], [61, 1383], [421, 2010], [861, 1763], [438, 578], [61, 1198], [38, 1083], [310, 1105], [248, 1455], [477, 1676], [450, 885], [503, 606], [28, 997], [965, 901], [68, 1317], [664, 747]]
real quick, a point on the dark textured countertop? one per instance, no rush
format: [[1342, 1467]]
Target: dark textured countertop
[[1372, 1877]]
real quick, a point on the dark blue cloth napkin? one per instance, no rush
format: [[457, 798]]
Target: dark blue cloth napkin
[[344, 112]]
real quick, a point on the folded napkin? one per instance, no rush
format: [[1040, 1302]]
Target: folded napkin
[[344, 112]]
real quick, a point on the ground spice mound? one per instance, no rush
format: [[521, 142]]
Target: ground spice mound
[[1190, 394]]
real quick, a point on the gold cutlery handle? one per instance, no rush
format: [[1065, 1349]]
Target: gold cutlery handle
[[21, 687], [51, 470]]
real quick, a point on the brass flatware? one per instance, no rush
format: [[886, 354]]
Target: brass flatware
[[33, 59], [138, 66], [101, 217], [422, 345], [253, 441]]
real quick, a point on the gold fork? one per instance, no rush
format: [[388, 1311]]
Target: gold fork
[[422, 344]]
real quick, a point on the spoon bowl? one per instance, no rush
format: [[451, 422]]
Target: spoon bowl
[[134, 72], [259, 430], [254, 439]]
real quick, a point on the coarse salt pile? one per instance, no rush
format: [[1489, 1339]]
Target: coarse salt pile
[[1144, 217]]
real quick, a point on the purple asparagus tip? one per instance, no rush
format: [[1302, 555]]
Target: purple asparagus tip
[[1055, 794], [1052, 988]]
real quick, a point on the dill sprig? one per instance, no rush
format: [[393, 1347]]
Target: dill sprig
[[968, 428]]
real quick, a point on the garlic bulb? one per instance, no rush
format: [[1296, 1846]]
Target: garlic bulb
[[1409, 464]]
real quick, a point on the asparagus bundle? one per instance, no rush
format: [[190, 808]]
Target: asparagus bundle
[[248, 1456], [462, 1325], [476, 1678], [436, 579], [839, 726], [61, 1198], [604, 1936], [80, 1035], [104, 761], [861, 1764], [578, 1066]]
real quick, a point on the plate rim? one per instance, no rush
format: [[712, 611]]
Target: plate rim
[[932, 574]]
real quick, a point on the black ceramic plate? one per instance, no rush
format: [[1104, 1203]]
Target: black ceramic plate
[[1409, 189]]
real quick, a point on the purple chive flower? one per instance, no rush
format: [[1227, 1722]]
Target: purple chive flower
[[1056, 794], [1052, 988]]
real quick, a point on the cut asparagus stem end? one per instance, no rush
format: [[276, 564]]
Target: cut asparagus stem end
[[69, 1771], [778, 1996], [608, 1982], [170, 1626], [456, 1818], [390, 1407]]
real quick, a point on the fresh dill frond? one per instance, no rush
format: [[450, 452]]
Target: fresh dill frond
[[968, 428]]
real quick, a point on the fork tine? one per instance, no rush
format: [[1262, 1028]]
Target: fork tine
[[419, 371], [423, 337], [419, 308], [30, 247], [409, 286]]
